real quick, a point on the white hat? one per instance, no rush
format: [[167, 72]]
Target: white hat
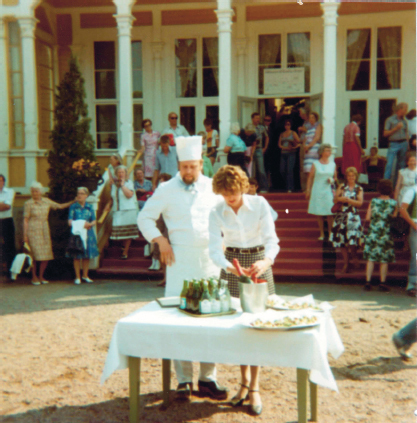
[[189, 148]]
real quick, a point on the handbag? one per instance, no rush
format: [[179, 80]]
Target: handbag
[[399, 227], [75, 245], [336, 207]]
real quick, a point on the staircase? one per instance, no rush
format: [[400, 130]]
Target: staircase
[[302, 257]]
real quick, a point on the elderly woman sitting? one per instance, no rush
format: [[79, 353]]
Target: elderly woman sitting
[[36, 229], [83, 212], [125, 210]]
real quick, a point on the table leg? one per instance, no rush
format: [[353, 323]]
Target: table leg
[[302, 384], [134, 389], [313, 401], [166, 381]]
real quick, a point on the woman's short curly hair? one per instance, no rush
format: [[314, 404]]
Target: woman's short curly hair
[[230, 179], [352, 169], [385, 187], [322, 148]]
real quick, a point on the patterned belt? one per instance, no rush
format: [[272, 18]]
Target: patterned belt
[[245, 250]]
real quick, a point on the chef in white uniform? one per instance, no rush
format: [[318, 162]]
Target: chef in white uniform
[[185, 202]]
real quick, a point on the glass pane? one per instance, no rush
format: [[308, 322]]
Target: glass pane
[[211, 51], [306, 67], [15, 59], [389, 42], [14, 34], [186, 53], [187, 118], [261, 76], [136, 140], [18, 109], [358, 107], [386, 109], [107, 140], [358, 44], [388, 76], [357, 75], [106, 118], [298, 47], [137, 84], [136, 54], [210, 82], [212, 112], [137, 117], [105, 84], [186, 82], [104, 55], [18, 135], [270, 49], [16, 84]]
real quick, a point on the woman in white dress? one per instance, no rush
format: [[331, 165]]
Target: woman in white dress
[[319, 188], [406, 177]]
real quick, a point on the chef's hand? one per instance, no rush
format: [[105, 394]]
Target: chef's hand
[[232, 269], [167, 254], [260, 266]]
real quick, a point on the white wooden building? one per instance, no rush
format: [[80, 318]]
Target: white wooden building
[[146, 58]]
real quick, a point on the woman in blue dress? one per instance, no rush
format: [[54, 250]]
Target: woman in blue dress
[[81, 210]]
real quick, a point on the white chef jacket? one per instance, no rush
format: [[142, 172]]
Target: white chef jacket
[[250, 227], [7, 197], [186, 215]]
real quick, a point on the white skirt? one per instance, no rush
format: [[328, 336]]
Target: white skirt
[[190, 262], [125, 224]]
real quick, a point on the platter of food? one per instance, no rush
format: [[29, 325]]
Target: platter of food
[[291, 305], [285, 323]]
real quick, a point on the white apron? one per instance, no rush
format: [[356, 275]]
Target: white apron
[[190, 262]]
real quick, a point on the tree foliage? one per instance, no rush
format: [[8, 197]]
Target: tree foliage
[[71, 139]]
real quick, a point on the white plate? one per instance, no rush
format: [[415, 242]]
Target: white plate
[[277, 307], [295, 327]]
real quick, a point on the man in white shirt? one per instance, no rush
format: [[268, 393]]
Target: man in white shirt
[[7, 247], [174, 127], [185, 202]]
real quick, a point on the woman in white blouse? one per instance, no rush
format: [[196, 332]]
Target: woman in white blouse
[[248, 235], [125, 210]]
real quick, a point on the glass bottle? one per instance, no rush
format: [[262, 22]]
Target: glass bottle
[[190, 296], [225, 298], [196, 297], [205, 300], [215, 298], [183, 295]]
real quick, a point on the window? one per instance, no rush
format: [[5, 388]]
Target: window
[[386, 109], [105, 69], [106, 126], [358, 59], [210, 67], [298, 54], [186, 67], [388, 68], [16, 87], [269, 55], [187, 118], [212, 112], [137, 69], [45, 77], [358, 107]]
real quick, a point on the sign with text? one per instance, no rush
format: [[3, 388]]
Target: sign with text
[[284, 81]]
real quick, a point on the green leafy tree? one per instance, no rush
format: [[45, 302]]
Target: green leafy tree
[[71, 139]]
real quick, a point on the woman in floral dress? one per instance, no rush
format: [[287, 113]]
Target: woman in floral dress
[[149, 141], [379, 246], [347, 231], [81, 210], [36, 230]]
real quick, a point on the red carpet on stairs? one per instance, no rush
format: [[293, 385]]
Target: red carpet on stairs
[[301, 258]]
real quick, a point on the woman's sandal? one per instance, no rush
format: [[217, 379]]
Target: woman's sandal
[[238, 401], [255, 409]]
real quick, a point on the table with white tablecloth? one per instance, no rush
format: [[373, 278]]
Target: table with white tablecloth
[[166, 333]]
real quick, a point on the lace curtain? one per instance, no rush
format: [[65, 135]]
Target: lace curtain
[[299, 47], [186, 64], [211, 55], [357, 41], [389, 47], [269, 49]]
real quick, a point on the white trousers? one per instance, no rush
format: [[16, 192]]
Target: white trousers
[[190, 262]]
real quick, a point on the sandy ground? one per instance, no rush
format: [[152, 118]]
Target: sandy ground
[[55, 339]]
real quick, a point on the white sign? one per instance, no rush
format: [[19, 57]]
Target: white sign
[[284, 81]]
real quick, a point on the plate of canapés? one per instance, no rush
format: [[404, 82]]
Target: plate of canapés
[[278, 303], [285, 323]]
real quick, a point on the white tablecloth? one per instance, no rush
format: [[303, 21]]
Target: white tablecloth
[[155, 332]]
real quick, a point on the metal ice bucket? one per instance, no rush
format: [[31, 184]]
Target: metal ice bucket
[[253, 297]]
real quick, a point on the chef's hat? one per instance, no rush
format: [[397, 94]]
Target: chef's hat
[[189, 148]]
